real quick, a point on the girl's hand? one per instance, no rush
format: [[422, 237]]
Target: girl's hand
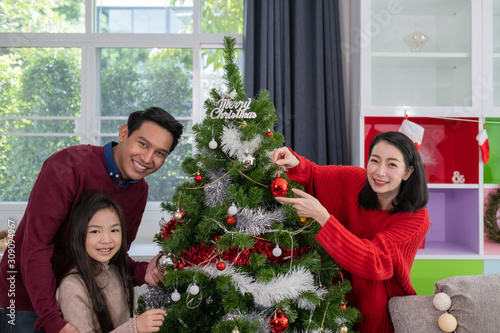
[[284, 158], [150, 321], [307, 206]]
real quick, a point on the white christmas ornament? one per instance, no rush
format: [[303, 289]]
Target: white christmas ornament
[[441, 301], [194, 289], [162, 222], [233, 210], [176, 296], [212, 144], [277, 251]]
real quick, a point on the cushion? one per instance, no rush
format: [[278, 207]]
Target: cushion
[[410, 314], [475, 302]]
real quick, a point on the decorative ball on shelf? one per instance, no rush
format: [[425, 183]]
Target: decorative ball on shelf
[[221, 265], [343, 328], [175, 296], [178, 215], [194, 289], [441, 301], [162, 222], [198, 178], [277, 251], [278, 322], [163, 261], [230, 221], [278, 187], [232, 210], [447, 322], [269, 133], [213, 144]]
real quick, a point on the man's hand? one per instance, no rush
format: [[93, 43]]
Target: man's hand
[[68, 328], [307, 206], [153, 276]]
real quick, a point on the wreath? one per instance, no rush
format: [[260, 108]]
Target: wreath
[[491, 216]]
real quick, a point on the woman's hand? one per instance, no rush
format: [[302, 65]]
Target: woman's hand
[[284, 158], [150, 321], [307, 206]]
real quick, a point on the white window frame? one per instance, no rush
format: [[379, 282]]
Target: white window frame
[[87, 125]]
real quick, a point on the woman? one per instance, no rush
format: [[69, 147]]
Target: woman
[[373, 221]]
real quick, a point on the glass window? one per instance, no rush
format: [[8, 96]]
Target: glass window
[[79, 88]]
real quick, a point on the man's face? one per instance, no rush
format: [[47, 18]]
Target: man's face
[[143, 152]]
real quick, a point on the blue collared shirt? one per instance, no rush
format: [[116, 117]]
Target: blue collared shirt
[[111, 165]]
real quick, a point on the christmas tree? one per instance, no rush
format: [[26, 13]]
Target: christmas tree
[[236, 260]]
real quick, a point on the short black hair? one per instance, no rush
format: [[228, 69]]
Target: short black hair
[[158, 116], [413, 193]]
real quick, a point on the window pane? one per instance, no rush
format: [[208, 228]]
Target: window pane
[[36, 83], [144, 16], [21, 159], [40, 82], [213, 70], [49, 16], [222, 17], [135, 79]]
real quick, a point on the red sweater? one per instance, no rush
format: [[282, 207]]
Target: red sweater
[[376, 248], [41, 238]]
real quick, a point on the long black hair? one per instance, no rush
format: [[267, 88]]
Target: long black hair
[[413, 192], [87, 268]]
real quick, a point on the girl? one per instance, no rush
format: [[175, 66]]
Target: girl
[[97, 294], [373, 221]]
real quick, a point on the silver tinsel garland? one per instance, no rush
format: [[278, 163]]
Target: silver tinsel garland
[[156, 297], [256, 221], [216, 193]]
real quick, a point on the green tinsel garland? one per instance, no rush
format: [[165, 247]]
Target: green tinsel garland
[[490, 216]]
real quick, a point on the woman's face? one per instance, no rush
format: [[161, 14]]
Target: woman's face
[[385, 171]]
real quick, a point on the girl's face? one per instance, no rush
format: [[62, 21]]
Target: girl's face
[[104, 235], [385, 171]]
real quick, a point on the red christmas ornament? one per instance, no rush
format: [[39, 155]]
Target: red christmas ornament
[[221, 265], [183, 213], [278, 322], [343, 306], [278, 187], [231, 221], [180, 265], [198, 178], [269, 133]]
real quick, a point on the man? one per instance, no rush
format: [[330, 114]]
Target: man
[[28, 282]]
